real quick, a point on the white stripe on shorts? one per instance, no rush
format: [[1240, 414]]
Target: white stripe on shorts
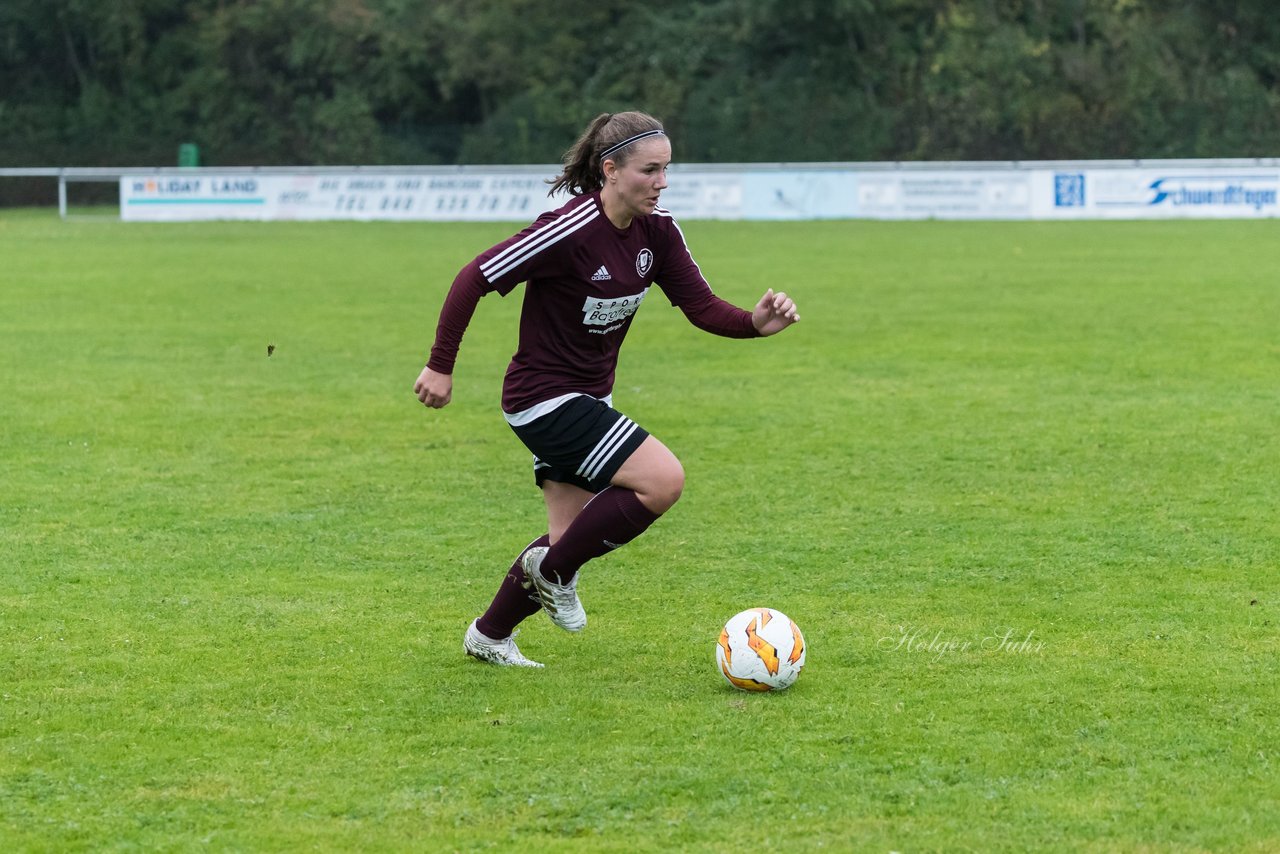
[[606, 448]]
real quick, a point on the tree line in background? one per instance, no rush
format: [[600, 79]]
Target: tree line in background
[[86, 82]]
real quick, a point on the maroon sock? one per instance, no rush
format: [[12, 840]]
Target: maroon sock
[[613, 518], [514, 600]]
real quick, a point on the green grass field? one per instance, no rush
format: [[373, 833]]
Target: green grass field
[[1017, 482]]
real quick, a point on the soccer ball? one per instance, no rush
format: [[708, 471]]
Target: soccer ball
[[761, 650]]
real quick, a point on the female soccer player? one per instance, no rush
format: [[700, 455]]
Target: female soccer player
[[588, 266]]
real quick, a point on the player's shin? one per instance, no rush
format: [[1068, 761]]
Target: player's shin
[[615, 517], [514, 601]]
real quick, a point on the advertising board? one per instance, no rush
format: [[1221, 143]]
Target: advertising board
[[1081, 190]]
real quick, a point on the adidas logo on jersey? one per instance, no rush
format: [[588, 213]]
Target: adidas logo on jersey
[[601, 275]]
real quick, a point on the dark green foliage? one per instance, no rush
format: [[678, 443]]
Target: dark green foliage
[[398, 81]]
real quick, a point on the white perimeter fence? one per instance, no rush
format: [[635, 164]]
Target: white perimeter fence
[[1047, 190]]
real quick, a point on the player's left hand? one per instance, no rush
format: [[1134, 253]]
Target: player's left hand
[[774, 313]]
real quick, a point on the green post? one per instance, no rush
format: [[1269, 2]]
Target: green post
[[188, 154]]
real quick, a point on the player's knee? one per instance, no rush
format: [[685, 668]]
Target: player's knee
[[667, 486], [655, 474]]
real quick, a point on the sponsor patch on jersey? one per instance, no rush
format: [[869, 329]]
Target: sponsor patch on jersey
[[602, 311], [644, 260]]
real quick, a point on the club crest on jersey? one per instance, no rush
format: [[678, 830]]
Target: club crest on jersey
[[644, 260]]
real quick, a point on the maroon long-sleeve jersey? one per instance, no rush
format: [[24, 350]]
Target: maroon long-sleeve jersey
[[586, 278]]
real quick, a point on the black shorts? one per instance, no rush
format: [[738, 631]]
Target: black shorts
[[582, 442]]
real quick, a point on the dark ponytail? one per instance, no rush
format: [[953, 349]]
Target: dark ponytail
[[583, 172]]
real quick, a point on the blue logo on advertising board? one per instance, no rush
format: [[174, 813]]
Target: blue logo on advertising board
[[1256, 194], [1068, 190]]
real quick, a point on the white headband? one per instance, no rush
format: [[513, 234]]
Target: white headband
[[611, 149]]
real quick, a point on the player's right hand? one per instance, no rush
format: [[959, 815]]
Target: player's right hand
[[433, 389]]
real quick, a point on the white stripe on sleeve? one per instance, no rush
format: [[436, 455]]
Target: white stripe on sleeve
[[537, 241]]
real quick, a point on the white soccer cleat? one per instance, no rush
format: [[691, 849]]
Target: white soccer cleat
[[503, 652], [560, 601]]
